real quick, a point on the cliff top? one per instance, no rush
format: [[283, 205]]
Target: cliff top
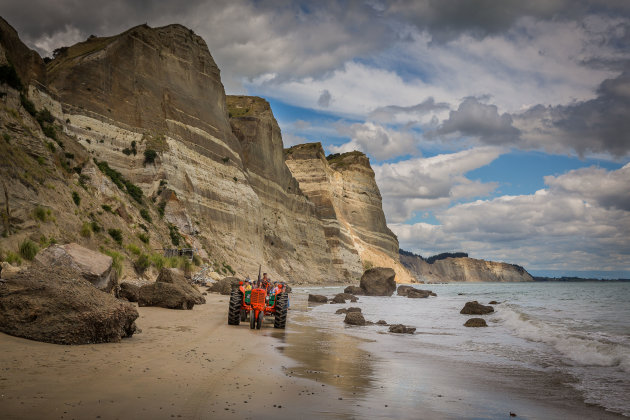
[[246, 106], [337, 161], [305, 151], [345, 160], [27, 63]]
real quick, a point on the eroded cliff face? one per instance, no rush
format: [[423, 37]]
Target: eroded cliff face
[[348, 202], [464, 270]]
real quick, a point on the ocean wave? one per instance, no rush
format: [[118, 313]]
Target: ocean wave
[[582, 348]]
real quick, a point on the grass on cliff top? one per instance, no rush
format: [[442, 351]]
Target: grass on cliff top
[[89, 46], [242, 106]]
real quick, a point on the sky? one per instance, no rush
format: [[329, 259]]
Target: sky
[[497, 128]]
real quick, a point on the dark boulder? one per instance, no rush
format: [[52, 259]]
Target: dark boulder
[[347, 310], [129, 291], [401, 329], [493, 302], [381, 322], [342, 297], [379, 281], [223, 286], [475, 308], [171, 290], [317, 298], [354, 290], [354, 318], [476, 322], [56, 304]]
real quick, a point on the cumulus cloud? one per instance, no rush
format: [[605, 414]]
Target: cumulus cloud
[[572, 224], [481, 121], [378, 141], [413, 113], [69, 35], [419, 184]]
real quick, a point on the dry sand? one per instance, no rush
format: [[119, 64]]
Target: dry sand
[[191, 364]]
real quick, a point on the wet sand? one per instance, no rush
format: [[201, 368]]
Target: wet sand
[[191, 364]]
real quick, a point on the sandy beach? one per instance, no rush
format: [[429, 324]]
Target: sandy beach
[[191, 364]]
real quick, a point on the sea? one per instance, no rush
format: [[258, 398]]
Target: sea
[[542, 335]]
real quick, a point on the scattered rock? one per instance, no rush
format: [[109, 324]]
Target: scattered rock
[[317, 298], [476, 322], [354, 318], [493, 302], [512, 414], [56, 304], [170, 290], [401, 329], [342, 297], [223, 286], [129, 291], [91, 265], [354, 290], [378, 281], [347, 310], [8, 271], [412, 292], [381, 322], [475, 308]]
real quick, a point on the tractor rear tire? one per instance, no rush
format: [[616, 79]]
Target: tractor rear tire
[[282, 304], [252, 319], [243, 315], [259, 321], [234, 312]]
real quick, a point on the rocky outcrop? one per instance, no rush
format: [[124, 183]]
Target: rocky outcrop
[[347, 310], [27, 63], [463, 269], [223, 286], [475, 308], [55, 304], [91, 265], [475, 323], [348, 202], [379, 281], [171, 290], [354, 290]]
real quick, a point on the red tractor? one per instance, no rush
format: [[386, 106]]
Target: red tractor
[[257, 303]]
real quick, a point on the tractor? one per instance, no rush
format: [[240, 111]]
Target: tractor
[[257, 303]]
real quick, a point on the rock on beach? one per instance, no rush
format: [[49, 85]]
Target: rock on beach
[[171, 290], [475, 308], [378, 281]]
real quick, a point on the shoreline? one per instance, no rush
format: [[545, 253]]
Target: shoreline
[[191, 364]]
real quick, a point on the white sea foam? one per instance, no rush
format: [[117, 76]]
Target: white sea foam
[[582, 348]]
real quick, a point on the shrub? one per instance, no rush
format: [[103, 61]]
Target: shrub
[[40, 213], [229, 268], [86, 230], [44, 116], [225, 159], [142, 263], [76, 198], [127, 151], [145, 215], [28, 249], [143, 237], [13, 258], [69, 155], [106, 207], [50, 132], [117, 259], [196, 260], [149, 156], [28, 105], [161, 208], [51, 146], [96, 228], [7, 138], [175, 236], [173, 262], [134, 249], [158, 261], [116, 235], [133, 190], [143, 227]]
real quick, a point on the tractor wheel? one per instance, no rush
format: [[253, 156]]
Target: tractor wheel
[[259, 321], [234, 312], [243, 315], [252, 319], [282, 304]]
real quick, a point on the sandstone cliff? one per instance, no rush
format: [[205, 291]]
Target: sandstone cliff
[[348, 202], [463, 269]]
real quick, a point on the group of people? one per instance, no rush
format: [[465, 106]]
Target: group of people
[[263, 283]]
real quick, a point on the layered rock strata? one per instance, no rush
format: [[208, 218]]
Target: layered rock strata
[[463, 269]]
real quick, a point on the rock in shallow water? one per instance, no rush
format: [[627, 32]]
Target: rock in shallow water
[[354, 318], [475, 308], [378, 281], [354, 290], [57, 305], [317, 298], [475, 323], [347, 310], [342, 297], [401, 329]]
